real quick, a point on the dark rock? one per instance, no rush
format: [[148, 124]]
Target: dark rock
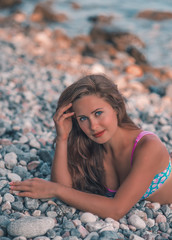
[[9, 3], [4, 221], [155, 15], [44, 12], [137, 55], [118, 38], [160, 89], [17, 206], [101, 18], [45, 155]]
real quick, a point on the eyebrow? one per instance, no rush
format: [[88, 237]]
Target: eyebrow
[[91, 112]]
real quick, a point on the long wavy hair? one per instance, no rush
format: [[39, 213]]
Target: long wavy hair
[[85, 157]]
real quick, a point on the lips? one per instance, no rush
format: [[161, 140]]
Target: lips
[[99, 134]]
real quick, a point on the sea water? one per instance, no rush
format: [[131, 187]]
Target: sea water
[[157, 35]]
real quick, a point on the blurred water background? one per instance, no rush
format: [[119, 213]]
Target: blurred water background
[[157, 35]]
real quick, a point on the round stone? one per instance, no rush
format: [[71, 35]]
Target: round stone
[[87, 217], [136, 221], [10, 160]]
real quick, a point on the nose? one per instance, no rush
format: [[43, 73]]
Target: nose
[[93, 124]]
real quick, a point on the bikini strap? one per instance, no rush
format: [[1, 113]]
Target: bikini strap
[[143, 133]]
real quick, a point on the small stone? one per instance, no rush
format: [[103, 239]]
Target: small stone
[[10, 160], [136, 221], [36, 213], [124, 226], [4, 221], [76, 222], [33, 165], [51, 214], [13, 177], [150, 222], [17, 206], [31, 203], [135, 237], [57, 238], [20, 238], [163, 226], [160, 218], [83, 231], [155, 206], [108, 235], [30, 226], [6, 206], [92, 235], [41, 238], [23, 139], [95, 226], [8, 197], [1, 232], [34, 143], [87, 217]]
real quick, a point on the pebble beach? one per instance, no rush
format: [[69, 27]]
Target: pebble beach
[[37, 63]]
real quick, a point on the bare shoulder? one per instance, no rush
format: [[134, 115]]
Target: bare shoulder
[[151, 152]]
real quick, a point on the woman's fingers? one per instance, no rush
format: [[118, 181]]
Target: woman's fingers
[[21, 186], [61, 111]]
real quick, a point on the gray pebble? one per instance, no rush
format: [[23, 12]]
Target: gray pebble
[[30, 226], [163, 226], [4, 221], [17, 206], [31, 203]]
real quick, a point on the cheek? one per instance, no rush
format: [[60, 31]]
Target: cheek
[[83, 127]]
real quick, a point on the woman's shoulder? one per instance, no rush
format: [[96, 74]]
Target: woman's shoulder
[[150, 148]]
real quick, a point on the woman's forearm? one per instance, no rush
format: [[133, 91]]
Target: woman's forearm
[[59, 169], [100, 205]]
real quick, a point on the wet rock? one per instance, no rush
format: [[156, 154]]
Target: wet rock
[[118, 38], [30, 226], [9, 3], [101, 19], [137, 55], [45, 12], [155, 15]]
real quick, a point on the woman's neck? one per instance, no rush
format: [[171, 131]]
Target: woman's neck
[[123, 140]]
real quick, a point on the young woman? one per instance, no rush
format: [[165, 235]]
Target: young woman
[[103, 162]]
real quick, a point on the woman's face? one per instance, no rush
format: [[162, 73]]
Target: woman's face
[[96, 118]]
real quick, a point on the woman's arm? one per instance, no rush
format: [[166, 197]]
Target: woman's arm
[[63, 124], [59, 169]]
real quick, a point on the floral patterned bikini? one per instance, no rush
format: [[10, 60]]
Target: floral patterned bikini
[[158, 180]]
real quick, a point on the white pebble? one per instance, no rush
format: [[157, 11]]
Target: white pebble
[[136, 221], [150, 222], [8, 197], [10, 160], [34, 143], [87, 217], [13, 177], [124, 226], [57, 238], [6, 206], [135, 237]]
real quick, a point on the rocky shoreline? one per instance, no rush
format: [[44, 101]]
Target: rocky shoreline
[[37, 63]]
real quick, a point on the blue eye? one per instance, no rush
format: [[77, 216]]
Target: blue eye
[[82, 119], [98, 113]]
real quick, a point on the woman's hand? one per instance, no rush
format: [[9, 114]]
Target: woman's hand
[[34, 188], [63, 122]]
